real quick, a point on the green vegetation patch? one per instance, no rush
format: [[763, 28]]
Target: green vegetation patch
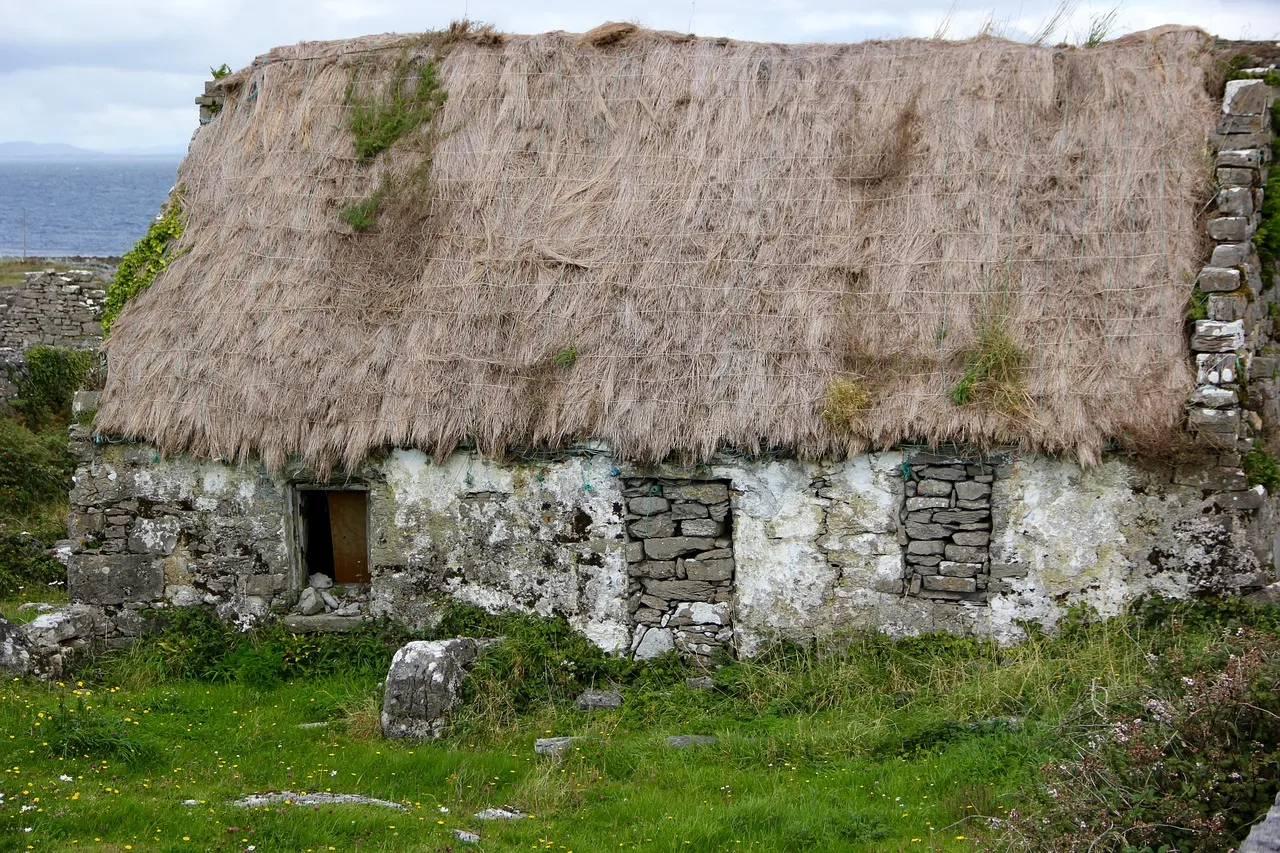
[[409, 99], [46, 384], [993, 371], [1261, 468], [1161, 727], [363, 214], [1267, 238], [147, 259], [847, 400]]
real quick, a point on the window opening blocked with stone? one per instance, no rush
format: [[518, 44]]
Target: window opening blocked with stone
[[333, 534], [680, 565], [946, 522]]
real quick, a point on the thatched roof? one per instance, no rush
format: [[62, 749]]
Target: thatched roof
[[677, 244]]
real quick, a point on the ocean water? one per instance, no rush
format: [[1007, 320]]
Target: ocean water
[[92, 208]]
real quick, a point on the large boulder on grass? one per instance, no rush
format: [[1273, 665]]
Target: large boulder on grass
[[15, 651], [54, 638], [423, 685]]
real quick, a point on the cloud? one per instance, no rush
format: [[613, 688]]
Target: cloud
[[124, 74]]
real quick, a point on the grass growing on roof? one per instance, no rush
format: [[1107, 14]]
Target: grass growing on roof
[[846, 402], [993, 371], [410, 99]]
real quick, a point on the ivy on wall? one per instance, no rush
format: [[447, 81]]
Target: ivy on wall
[[148, 257]]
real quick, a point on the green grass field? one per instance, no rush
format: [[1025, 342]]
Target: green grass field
[[922, 744]]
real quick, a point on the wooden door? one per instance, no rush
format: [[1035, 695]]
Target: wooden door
[[349, 531]]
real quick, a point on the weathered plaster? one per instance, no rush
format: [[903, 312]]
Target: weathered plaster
[[545, 538], [817, 546]]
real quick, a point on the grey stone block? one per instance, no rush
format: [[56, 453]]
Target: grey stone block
[[321, 623], [926, 546], [114, 578], [1218, 280], [928, 560], [1226, 307], [941, 472], [933, 488], [1213, 336], [1245, 159], [711, 570], [915, 530], [1229, 228], [657, 569], [941, 583], [972, 491], [965, 554], [953, 569], [1241, 124], [677, 546], [1229, 255], [961, 516], [1235, 201], [1228, 177], [1211, 479], [683, 511], [974, 538], [699, 527], [648, 505], [1212, 397], [556, 747], [1240, 501], [1213, 420], [655, 527], [703, 493], [677, 590], [423, 684], [1009, 570], [598, 700], [913, 504]]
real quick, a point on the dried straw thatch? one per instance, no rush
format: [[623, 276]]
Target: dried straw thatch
[[677, 244]]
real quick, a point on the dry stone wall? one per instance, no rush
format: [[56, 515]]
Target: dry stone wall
[[48, 309], [1235, 372], [679, 566], [946, 522]]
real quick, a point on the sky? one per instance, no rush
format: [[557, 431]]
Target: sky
[[122, 74]]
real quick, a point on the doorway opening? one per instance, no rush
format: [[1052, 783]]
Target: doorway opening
[[333, 533]]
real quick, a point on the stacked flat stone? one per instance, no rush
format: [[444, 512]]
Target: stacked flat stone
[[946, 522], [1238, 323], [680, 564], [211, 101]]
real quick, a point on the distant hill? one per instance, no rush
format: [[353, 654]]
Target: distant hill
[[62, 151]]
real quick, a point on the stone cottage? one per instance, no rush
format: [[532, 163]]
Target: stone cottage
[[697, 343]]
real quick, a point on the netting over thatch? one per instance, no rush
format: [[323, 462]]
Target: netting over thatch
[[677, 244]]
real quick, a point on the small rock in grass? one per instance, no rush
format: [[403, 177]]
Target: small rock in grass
[[466, 837], [295, 798], [554, 747], [498, 814], [598, 700], [682, 741], [191, 803], [701, 682]]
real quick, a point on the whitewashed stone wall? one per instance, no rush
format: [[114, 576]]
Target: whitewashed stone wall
[[818, 547]]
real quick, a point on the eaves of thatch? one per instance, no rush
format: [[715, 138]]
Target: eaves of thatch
[[677, 244]]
